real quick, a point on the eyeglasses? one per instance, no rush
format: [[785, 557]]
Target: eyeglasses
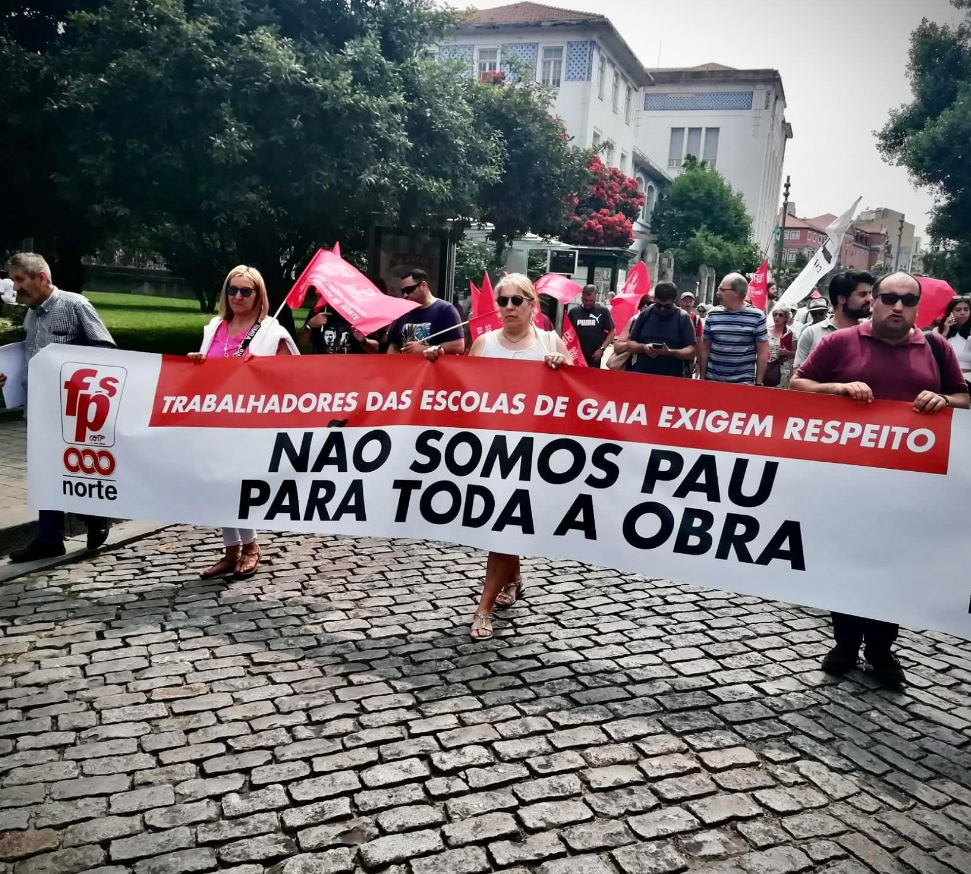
[[408, 289], [233, 290], [517, 300], [891, 298]]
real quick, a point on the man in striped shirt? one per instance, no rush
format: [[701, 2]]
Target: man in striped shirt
[[735, 344]]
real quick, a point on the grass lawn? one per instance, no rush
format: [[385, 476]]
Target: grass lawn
[[142, 323]]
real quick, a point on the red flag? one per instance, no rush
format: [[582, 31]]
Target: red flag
[[935, 295], [758, 288], [572, 343], [557, 286], [623, 306], [349, 292], [485, 313]]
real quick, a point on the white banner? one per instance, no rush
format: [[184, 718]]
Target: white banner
[[825, 259], [801, 498]]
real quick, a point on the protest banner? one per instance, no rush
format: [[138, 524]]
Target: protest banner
[[796, 497]]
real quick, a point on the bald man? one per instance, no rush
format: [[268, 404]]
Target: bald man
[[735, 344]]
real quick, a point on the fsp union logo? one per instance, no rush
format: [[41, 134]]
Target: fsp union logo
[[90, 398]]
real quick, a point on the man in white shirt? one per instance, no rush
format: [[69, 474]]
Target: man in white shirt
[[850, 294]]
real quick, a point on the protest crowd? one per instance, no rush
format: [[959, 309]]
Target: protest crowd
[[863, 344]]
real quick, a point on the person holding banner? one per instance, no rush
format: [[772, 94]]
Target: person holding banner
[[888, 359], [433, 319], [242, 329], [519, 339]]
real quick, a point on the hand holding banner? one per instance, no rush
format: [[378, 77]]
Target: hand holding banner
[[349, 292]]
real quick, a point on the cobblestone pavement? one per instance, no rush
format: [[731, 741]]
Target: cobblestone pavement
[[13, 473], [331, 715]]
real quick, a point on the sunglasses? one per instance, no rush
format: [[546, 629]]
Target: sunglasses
[[664, 304], [232, 291], [517, 300], [890, 298], [408, 289]]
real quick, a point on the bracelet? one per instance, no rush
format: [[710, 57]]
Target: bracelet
[[947, 400]]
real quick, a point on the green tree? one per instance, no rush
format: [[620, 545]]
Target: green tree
[[541, 170], [702, 220], [928, 137]]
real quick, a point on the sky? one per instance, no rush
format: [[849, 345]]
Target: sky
[[843, 67]]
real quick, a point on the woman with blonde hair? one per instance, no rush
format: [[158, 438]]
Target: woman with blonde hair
[[518, 339], [242, 329]]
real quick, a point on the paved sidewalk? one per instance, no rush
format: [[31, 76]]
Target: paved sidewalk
[[13, 474], [331, 714]]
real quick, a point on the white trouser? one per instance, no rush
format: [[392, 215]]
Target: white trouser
[[238, 536]]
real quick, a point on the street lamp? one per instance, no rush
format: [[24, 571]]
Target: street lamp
[[782, 232]]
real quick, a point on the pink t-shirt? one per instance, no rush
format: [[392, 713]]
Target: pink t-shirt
[[224, 346]]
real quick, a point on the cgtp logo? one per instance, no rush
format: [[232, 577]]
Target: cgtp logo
[[90, 398]]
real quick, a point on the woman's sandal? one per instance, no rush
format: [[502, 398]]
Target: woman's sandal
[[506, 599], [248, 563], [226, 565], [479, 630]]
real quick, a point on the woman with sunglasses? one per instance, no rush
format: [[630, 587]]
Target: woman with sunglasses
[[242, 329], [519, 339], [956, 328]]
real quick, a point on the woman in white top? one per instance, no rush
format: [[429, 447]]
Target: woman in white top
[[242, 329], [956, 328], [518, 338]]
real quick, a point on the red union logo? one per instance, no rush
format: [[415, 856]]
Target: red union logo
[[90, 397]]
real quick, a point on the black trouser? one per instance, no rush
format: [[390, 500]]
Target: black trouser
[[854, 630], [50, 525]]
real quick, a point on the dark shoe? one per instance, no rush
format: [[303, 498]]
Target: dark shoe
[[840, 659], [97, 533], [37, 550], [886, 668]]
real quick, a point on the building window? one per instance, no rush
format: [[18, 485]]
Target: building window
[[623, 163], [641, 185], [650, 198], [628, 104], [552, 66], [694, 142], [602, 74], [488, 61], [767, 96], [792, 235], [615, 92], [597, 139], [676, 150], [791, 255], [609, 154], [711, 146]]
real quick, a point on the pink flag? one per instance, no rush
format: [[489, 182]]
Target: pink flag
[[572, 343], [558, 286], [337, 249], [485, 313], [935, 295], [349, 292], [623, 306], [758, 288]]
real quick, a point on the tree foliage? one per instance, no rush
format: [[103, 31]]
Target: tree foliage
[[604, 214], [929, 136], [240, 131], [703, 221]]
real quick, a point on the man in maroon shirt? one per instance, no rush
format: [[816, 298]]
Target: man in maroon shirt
[[885, 359]]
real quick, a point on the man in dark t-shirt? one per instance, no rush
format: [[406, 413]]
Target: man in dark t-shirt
[[434, 319], [593, 324], [662, 339]]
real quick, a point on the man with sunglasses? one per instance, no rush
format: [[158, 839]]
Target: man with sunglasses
[[431, 319], [662, 339], [884, 359]]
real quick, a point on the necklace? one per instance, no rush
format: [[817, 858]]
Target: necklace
[[508, 339], [228, 338]]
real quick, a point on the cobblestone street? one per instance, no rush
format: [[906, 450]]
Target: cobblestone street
[[331, 716]]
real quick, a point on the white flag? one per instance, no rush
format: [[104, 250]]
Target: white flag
[[825, 259]]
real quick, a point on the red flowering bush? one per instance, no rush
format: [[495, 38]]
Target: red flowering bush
[[493, 78], [604, 215]]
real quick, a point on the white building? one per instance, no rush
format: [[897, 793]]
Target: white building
[[732, 119], [607, 96], [599, 79]]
